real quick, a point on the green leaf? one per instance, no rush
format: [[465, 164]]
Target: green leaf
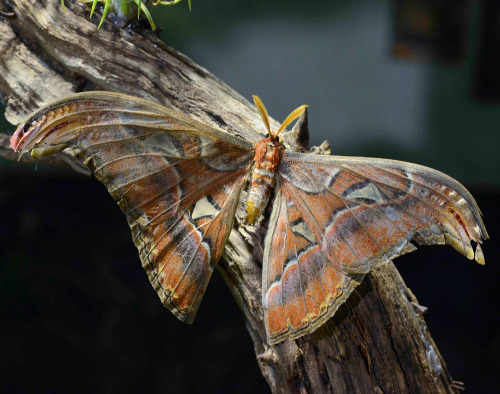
[[105, 12], [93, 8], [125, 5], [148, 15]]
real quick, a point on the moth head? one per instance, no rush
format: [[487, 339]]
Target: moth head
[[265, 117]]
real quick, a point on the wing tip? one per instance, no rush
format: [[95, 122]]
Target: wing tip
[[16, 140], [478, 255]]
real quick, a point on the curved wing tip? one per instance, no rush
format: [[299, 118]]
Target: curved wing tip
[[478, 255], [15, 139]]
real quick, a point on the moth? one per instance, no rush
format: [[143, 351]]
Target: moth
[[179, 182]]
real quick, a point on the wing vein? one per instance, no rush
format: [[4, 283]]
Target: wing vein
[[297, 259], [180, 179], [342, 236], [183, 198], [208, 224], [429, 188], [332, 215], [416, 197]]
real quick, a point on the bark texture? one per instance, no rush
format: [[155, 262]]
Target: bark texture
[[378, 340]]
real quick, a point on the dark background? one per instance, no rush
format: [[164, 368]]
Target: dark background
[[382, 78]]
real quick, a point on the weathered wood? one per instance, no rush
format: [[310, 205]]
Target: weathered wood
[[377, 342]]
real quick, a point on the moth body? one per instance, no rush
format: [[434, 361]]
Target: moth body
[[268, 153]]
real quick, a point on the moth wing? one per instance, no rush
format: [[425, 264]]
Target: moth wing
[[177, 181], [301, 287], [356, 214]]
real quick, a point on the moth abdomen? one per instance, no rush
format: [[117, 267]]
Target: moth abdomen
[[268, 153]]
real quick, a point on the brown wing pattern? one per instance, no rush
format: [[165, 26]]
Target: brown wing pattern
[[302, 288], [337, 218], [177, 181]]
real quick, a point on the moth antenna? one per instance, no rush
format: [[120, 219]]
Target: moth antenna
[[262, 111], [290, 118]]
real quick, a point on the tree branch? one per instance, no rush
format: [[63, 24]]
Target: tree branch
[[376, 342]]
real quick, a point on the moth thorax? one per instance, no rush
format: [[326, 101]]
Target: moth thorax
[[266, 160]]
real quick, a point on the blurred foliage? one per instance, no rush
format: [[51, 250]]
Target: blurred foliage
[[127, 9], [334, 55]]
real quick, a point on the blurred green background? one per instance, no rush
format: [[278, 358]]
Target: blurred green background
[[336, 56], [65, 250]]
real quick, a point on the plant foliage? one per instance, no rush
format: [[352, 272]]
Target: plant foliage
[[128, 9]]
